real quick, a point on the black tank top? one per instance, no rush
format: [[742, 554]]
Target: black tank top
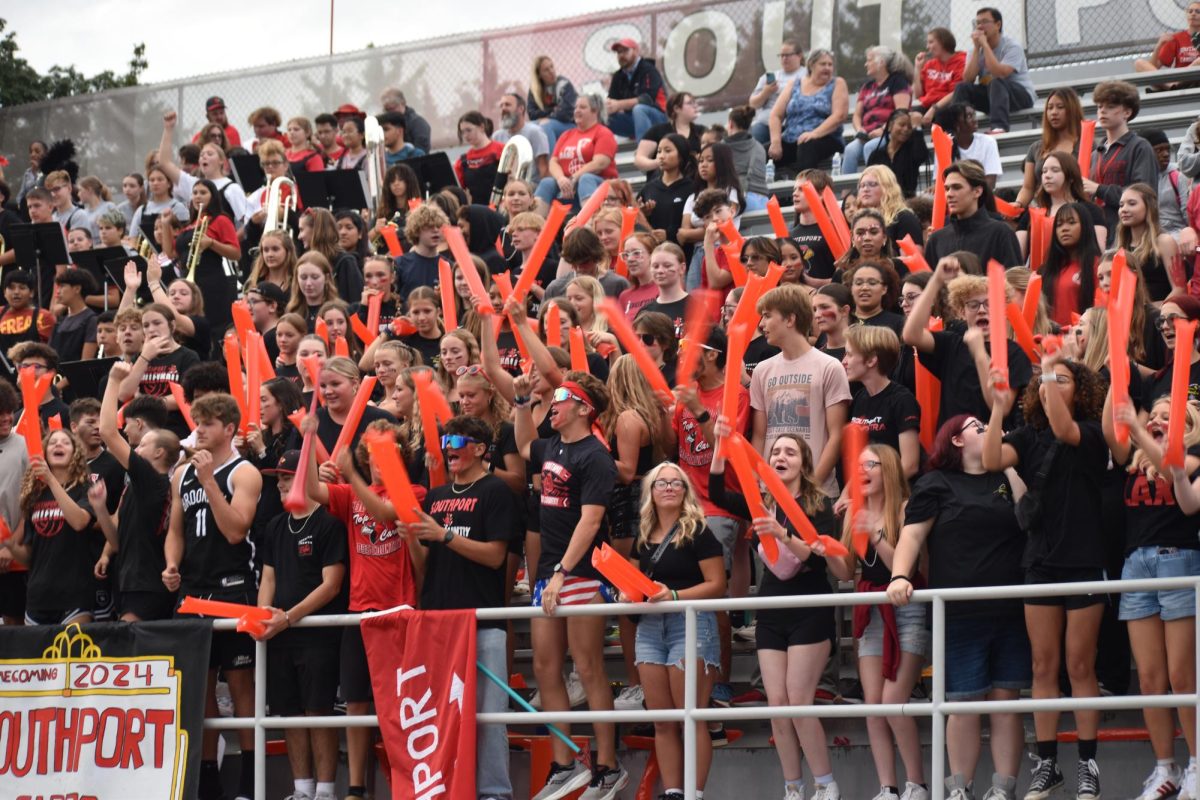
[[210, 563]]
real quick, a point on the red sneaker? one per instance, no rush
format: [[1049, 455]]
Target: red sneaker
[[751, 698]]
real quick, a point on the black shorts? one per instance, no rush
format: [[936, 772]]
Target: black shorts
[[229, 650], [624, 518], [533, 511], [302, 673], [1038, 574], [802, 626], [355, 675], [147, 606], [12, 594], [105, 607], [52, 616]]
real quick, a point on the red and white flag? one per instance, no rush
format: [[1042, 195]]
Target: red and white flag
[[423, 673]]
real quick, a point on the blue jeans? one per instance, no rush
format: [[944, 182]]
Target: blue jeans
[[491, 745], [761, 132], [547, 189], [755, 201], [988, 653], [695, 269], [855, 156], [554, 128], [635, 123]]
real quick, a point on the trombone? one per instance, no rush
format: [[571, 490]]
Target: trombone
[[279, 205]]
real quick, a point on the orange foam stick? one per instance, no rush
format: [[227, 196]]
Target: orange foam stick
[[433, 443], [628, 220], [446, 286], [928, 390], [854, 441], [265, 368], [5, 531], [33, 389], [374, 310], [54, 423], [736, 268], [322, 330], [297, 419], [237, 388], [392, 241], [772, 278], [1185, 345], [312, 365], [413, 202], [592, 205], [775, 214], [1123, 288], [504, 284], [817, 207], [541, 248], [578, 350], [182, 403], [250, 618], [913, 257], [1036, 232], [1033, 293], [341, 347], [360, 329], [619, 324], [733, 237], [735, 353], [354, 416], [434, 398], [382, 447], [740, 461], [1021, 332], [462, 258], [243, 322], [1087, 136], [997, 328], [834, 209], [746, 312], [553, 325], [943, 149], [253, 381], [1007, 209], [617, 570], [701, 310]]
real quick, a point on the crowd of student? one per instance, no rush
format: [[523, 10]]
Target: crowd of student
[[158, 487]]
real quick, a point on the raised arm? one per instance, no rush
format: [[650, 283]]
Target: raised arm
[[110, 430], [165, 145]]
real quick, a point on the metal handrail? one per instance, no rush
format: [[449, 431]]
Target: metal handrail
[[936, 709]]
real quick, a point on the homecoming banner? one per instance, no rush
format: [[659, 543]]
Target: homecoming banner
[[423, 673], [107, 712]]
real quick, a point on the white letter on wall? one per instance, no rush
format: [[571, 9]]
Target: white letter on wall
[[674, 58]]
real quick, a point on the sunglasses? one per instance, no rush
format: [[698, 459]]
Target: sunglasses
[[648, 339], [454, 441], [473, 369], [562, 395]]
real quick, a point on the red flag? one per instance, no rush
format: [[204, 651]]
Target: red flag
[[423, 673]]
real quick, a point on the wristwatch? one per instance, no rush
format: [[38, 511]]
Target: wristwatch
[[704, 417], [559, 569], [449, 537]]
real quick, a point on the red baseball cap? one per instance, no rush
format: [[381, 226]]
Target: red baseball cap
[[624, 44], [348, 110], [213, 103]]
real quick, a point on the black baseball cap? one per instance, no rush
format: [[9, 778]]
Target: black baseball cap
[[289, 462], [270, 292], [213, 103]]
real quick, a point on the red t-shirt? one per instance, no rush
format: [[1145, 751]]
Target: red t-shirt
[[695, 453], [1179, 52], [576, 148], [938, 78], [220, 228], [381, 571], [723, 265], [1066, 294]]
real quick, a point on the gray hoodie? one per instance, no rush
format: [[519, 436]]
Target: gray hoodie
[[750, 160]]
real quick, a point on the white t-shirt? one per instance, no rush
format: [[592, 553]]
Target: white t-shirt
[[984, 150], [764, 113], [533, 132], [234, 198], [794, 396]]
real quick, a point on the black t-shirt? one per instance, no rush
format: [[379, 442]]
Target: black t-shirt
[[60, 572], [676, 311], [142, 522], [1159, 384], [884, 319], [105, 467], [975, 539], [1152, 518], [656, 133], [906, 223], [759, 351], [430, 349], [573, 475], [298, 550], [510, 354], [667, 213], [413, 270], [504, 443], [270, 344], [678, 567], [887, 414], [72, 333], [160, 373], [200, 342], [1068, 532], [951, 362], [328, 430], [485, 511], [818, 258]]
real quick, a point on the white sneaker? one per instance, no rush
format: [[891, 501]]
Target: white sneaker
[[299, 796], [224, 699], [886, 794], [746, 633], [793, 794], [829, 791], [575, 692], [631, 698], [914, 791], [1164, 782], [1187, 789]]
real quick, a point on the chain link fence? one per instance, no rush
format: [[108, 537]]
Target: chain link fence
[[715, 49]]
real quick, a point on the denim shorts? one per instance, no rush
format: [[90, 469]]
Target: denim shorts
[[986, 653], [910, 626], [1160, 562], [660, 639]]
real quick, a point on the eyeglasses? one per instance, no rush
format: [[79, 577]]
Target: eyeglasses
[[868, 184], [975, 305], [38, 368], [872, 464], [871, 282], [910, 297], [562, 395], [272, 163], [976, 424], [788, 55], [674, 484], [1168, 321], [454, 441], [755, 257], [628, 254], [473, 369]]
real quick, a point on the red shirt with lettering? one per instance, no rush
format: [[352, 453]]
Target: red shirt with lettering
[[938, 77], [381, 571], [1179, 52], [576, 148]]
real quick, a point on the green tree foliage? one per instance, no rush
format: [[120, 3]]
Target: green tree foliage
[[21, 83]]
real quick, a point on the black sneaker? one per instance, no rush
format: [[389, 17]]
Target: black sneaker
[[1047, 779], [1089, 780], [671, 796], [719, 738]]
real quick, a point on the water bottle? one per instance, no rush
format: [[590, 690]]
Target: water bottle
[[837, 164], [770, 171]]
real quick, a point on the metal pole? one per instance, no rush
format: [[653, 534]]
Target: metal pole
[[1196, 622], [260, 720], [689, 704], [331, 27], [937, 742]]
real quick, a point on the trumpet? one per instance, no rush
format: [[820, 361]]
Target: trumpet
[[194, 251], [376, 161], [3, 246], [278, 205], [378, 243]]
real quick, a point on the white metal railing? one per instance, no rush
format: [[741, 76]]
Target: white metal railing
[[936, 709]]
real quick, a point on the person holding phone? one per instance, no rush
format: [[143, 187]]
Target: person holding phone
[[762, 99]]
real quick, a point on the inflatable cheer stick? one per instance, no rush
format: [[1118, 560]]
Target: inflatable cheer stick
[[382, 447], [182, 404], [617, 570], [1120, 313], [701, 311], [817, 206], [392, 241], [834, 209], [929, 395], [578, 350], [997, 327], [619, 324], [33, 389], [736, 268], [296, 499], [1087, 135], [237, 387], [541, 248], [913, 258], [243, 322], [350, 426], [735, 454], [775, 214], [943, 149], [446, 287], [297, 419], [854, 441], [1185, 340], [253, 381], [427, 399], [250, 618], [735, 353], [733, 236], [628, 220], [1021, 331], [553, 325], [462, 257], [1029, 306], [591, 206]]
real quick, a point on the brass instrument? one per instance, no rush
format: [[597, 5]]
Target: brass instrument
[[144, 248], [378, 243], [516, 161], [278, 206], [3, 245], [194, 251], [376, 162]]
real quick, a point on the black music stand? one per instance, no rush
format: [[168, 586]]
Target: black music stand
[[85, 376], [146, 226], [434, 172], [94, 261], [40, 248], [248, 172], [333, 189]]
